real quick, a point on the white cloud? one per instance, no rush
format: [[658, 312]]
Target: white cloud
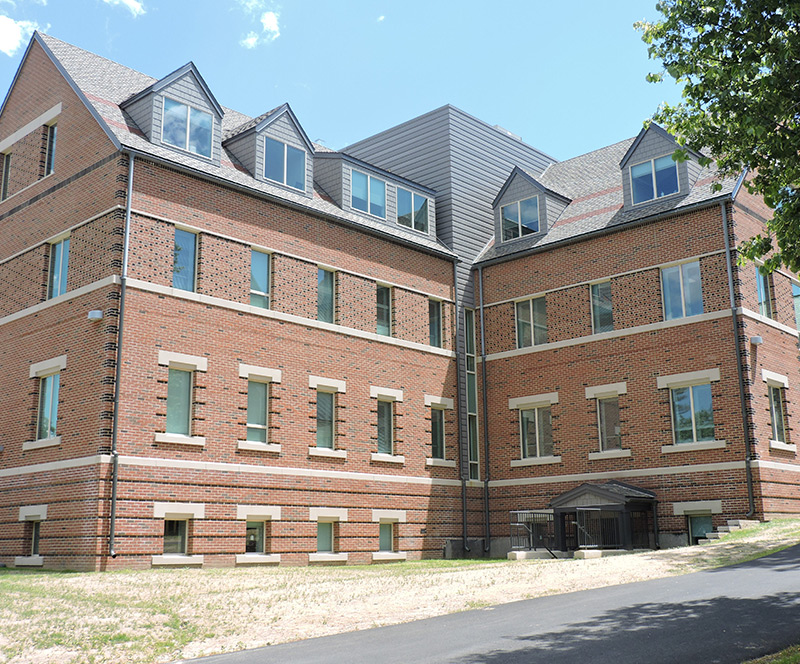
[[252, 6], [381, 18], [14, 34], [251, 41], [271, 28], [135, 6]]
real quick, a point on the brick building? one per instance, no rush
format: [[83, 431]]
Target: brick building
[[221, 343]]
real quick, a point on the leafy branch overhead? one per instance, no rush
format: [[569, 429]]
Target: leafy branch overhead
[[739, 62]]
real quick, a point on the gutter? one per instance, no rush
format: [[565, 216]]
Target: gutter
[[739, 371], [484, 399], [118, 375]]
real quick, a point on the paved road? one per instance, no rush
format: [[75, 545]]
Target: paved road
[[727, 615]]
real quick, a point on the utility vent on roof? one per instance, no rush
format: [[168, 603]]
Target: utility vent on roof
[[507, 133]]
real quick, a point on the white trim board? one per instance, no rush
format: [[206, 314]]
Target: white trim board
[[24, 130]]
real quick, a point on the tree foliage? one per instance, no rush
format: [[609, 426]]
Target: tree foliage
[[739, 63]]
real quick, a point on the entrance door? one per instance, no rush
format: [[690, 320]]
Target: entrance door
[[698, 527]]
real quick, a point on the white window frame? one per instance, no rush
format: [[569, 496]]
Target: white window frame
[[5, 177], [192, 364], [533, 401], [390, 308], [689, 379], [388, 395], [779, 382], [414, 197], [33, 514], [334, 293], [331, 386], [57, 247], [194, 262], [529, 301], [434, 304], [520, 225], [370, 178], [168, 511], [683, 289], [441, 404], [265, 294], [286, 147], [653, 178], [764, 294], [258, 374], [592, 306], [41, 371], [598, 393], [265, 514], [189, 109], [332, 515], [50, 156]]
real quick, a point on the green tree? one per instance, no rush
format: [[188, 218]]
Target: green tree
[[739, 63]]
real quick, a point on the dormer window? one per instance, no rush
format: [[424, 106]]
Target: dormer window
[[187, 128], [368, 194], [412, 210], [654, 179], [285, 164], [520, 218]]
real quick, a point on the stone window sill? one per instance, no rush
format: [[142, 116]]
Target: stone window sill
[[327, 557], [258, 558], [694, 447], [327, 452], [388, 555], [173, 559], [388, 458], [28, 561], [609, 454], [784, 447], [444, 463], [178, 439], [255, 446], [42, 442], [535, 461]]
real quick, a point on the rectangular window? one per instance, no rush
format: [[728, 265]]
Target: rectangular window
[[437, 433], [384, 309], [259, 279], [324, 537], [257, 411], [412, 210], [777, 414], [50, 153], [59, 262], [326, 296], [254, 538], [764, 293], [184, 260], [692, 417], [473, 453], [368, 194], [520, 218], [654, 179], [796, 300], [536, 432], [6, 171], [681, 287], [187, 128], [531, 322], [326, 406], [602, 312], [386, 537], [608, 421], [48, 406], [385, 427], [174, 536], [285, 164], [179, 402], [35, 530], [435, 323]]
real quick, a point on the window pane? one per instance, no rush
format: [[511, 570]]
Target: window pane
[[776, 412], [273, 163], [539, 321], [437, 433], [174, 536], [420, 213], [528, 432], [509, 215], [254, 538], [259, 272], [469, 330], [608, 414], [703, 416], [257, 411], [671, 288], [529, 215], [183, 260], [201, 126], [48, 406], [524, 324], [796, 300], [384, 310], [386, 542], [35, 530], [692, 289], [179, 402], [545, 431], [404, 209], [51, 149], [358, 191], [472, 447], [642, 182], [472, 393], [682, 415], [324, 537], [385, 427], [325, 408], [295, 168], [59, 262], [602, 313], [377, 198], [325, 296], [174, 129], [763, 294], [666, 176], [435, 322]]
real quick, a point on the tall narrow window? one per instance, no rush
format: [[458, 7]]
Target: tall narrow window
[[764, 293], [326, 296], [386, 537], [437, 433], [257, 411], [435, 322], [324, 537], [175, 536], [59, 262], [326, 402], [6, 172], [692, 417], [777, 414], [796, 301], [384, 310], [187, 128], [179, 402], [608, 422], [602, 313], [520, 218], [412, 210], [531, 322], [385, 427], [285, 164], [368, 194], [536, 432], [473, 454], [259, 279], [50, 153], [48, 406], [35, 530], [184, 260], [681, 287]]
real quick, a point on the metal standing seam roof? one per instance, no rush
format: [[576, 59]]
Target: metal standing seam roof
[[107, 84]]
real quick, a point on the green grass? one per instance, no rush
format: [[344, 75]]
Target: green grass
[[789, 656]]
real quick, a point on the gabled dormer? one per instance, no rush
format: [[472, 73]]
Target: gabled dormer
[[180, 113], [274, 148], [649, 173], [524, 206]]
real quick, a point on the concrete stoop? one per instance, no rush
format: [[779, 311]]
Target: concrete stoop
[[732, 527], [539, 554]]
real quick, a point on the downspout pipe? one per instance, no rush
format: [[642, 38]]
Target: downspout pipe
[[740, 372], [112, 531], [461, 439], [484, 399]]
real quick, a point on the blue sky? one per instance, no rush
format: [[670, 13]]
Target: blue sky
[[568, 77]]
